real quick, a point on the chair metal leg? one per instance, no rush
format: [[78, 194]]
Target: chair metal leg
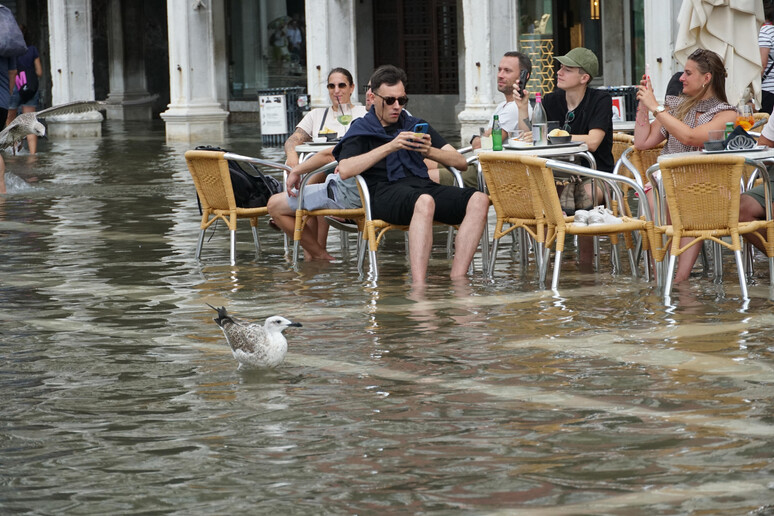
[[344, 239], [543, 265], [523, 246], [717, 265], [615, 259], [596, 253], [669, 273], [646, 265], [372, 264], [632, 262], [233, 247], [557, 266], [771, 271], [361, 247], [490, 266], [740, 270], [199, 245], [450, 243], [485, 248], [256, 242], [295, 252]]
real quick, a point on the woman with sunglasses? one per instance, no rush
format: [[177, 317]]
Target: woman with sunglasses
[[325, 120], [685, 121]]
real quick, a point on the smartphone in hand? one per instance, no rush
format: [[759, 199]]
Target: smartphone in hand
[[421, 128], [523, 78]]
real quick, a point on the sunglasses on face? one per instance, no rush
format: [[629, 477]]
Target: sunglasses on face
[[341, 85], [568, 119], [391, 100]]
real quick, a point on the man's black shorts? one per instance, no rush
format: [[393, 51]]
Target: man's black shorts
[[394, 202]]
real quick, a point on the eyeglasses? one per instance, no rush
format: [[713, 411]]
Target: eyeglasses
[[391, 100], [341, 85], [366, 88], [568, 119]]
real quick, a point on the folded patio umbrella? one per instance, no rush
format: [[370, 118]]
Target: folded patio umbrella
[[730, 29]]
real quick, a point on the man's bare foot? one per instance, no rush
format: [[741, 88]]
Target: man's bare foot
[[318, 257]]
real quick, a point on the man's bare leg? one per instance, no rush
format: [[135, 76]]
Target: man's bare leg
[[421, 238], [469, 234]]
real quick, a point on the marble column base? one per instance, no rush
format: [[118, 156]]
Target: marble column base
[[473, 118], [193, 125], [82, 125]]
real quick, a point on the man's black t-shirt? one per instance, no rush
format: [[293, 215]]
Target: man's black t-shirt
[[594, 112], [357, 145]]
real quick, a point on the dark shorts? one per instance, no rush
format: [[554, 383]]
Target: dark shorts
[[757, 193], [394, 202]]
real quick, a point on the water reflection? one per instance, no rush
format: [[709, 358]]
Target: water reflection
[[121, 394]]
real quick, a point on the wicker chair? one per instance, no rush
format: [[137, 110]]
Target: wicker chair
[[511, 194], [558, 226], [702, 193], [209, 170]]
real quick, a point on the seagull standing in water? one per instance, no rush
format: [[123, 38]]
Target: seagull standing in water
[[254, 345]]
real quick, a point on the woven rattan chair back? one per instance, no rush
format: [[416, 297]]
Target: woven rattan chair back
[[702, 193], [209, 170], [643, 159], [621, 142], [511, 194]]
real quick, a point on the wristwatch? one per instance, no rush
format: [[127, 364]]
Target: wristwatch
[[473, 138], [659, 109]]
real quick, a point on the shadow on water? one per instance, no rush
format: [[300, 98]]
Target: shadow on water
[[120, 394]]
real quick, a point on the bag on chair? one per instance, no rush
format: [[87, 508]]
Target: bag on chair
[[251, 190], [11, 39]]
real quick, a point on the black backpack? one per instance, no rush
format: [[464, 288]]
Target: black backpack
[[251, 189]]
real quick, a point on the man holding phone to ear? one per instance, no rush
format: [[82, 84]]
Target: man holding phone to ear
[[387, 148], [514, 70]]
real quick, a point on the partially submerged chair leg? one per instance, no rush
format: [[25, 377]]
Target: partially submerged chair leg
[[233, 246], [199, 245], [740, 270], [256, 242]]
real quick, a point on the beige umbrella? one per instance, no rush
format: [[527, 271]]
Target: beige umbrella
[[730, 29]]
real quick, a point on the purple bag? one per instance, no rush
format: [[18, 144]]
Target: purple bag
[[11, 40]]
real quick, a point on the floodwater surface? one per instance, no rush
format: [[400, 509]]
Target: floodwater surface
[[120, 395]]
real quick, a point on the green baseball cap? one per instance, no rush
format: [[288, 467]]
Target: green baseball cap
[[581, 58]]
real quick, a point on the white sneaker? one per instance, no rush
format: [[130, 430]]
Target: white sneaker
[[600, 216], [581, 217]]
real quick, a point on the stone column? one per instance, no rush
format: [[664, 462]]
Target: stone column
[[330, 42], [69, 23], [196, 58], [488, 31], [127, 67], [660, 33]]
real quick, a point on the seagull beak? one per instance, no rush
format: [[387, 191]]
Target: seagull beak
[[296, 324]]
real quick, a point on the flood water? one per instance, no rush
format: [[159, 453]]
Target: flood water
[[120, 395]]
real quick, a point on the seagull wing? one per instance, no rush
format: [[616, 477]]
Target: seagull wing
[[70, 108], [19, 127]]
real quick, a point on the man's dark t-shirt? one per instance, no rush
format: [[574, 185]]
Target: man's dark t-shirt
[[594, 112], [358, 145]]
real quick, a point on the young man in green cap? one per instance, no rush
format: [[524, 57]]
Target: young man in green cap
[[587, 114]]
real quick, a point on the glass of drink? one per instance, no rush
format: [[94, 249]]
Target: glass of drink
[[344, 117], [744, 117]]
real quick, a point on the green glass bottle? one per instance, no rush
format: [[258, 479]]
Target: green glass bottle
[[729, 129], [497, 134]]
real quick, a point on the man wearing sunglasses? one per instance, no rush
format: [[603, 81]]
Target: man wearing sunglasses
[[385, 149]]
